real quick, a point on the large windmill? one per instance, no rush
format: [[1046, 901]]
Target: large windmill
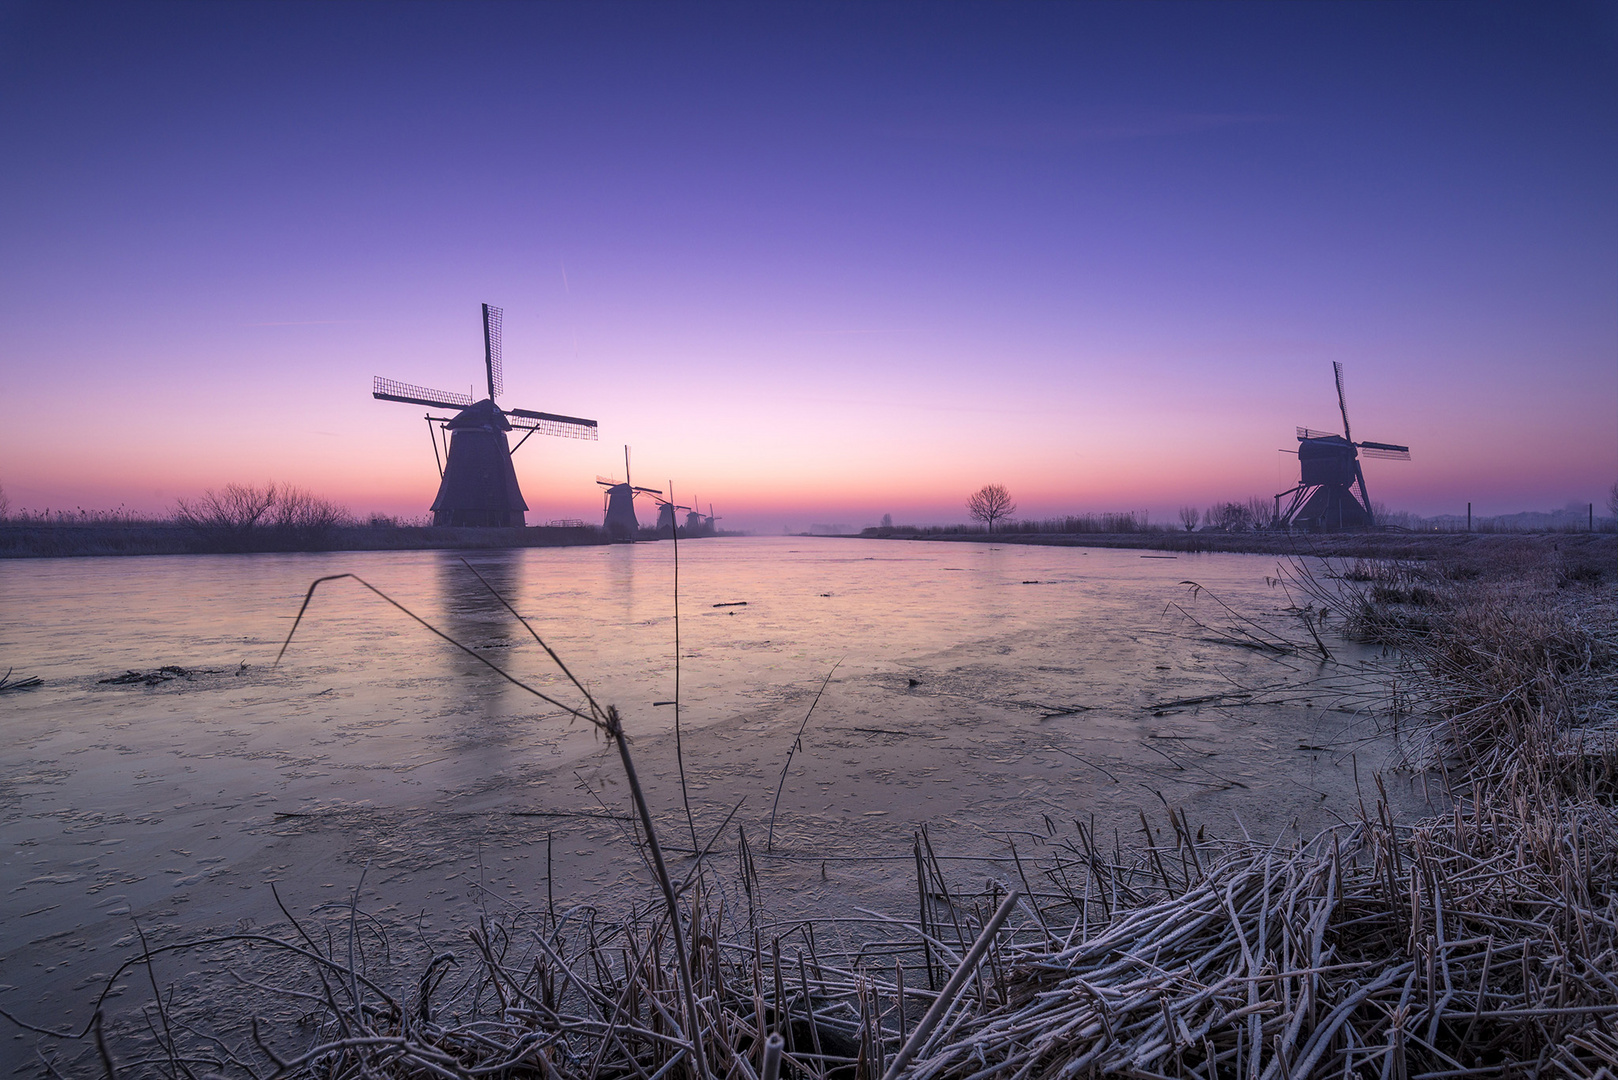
[[478, 485], [1324, 499], [619, 518]]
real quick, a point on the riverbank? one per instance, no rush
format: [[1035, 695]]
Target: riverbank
[[1586, 555], [51, 540]]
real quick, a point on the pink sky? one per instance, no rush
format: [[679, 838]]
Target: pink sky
[[816, 264]]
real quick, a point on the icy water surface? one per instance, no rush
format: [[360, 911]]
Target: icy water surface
[[984, 691]]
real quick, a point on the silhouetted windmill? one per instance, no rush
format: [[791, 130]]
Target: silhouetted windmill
[[619, 512], [666, 517], [1324, 498], [477, 484]]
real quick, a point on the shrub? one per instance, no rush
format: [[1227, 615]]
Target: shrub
[[245, 517]]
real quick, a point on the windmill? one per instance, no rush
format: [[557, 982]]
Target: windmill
[[477, 484], [619, 517], [699, 524], [666, 516], [1324, 498]]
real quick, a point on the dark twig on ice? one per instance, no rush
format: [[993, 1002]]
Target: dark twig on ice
[[27, 682], [797, 744]]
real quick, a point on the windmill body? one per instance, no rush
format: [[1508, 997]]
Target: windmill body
[[1329, 468], [619, 520], [665, 519], [478, 485]]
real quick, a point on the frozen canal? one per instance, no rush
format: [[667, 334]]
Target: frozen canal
[[986, 691]]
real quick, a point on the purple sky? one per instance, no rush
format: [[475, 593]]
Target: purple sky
[[814, 262]]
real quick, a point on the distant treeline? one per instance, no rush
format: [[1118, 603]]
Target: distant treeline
[[1128, 522], [249, 518], [53, 539], [1253, 515]]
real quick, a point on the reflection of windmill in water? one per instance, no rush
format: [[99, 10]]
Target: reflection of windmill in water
[[620, 521], [1324, 498], [478, 485]]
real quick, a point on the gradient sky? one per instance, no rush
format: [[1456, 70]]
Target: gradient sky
[[815, 262]]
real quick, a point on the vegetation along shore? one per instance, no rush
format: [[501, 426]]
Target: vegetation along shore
[[1481, 941]]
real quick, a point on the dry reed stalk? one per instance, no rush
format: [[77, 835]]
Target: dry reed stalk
[[679, 747]]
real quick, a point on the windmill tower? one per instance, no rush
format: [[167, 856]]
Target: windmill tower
[[1324, 499], [619, 512], [477, 484]]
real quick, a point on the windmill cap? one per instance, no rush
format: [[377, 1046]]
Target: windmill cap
[[482, 414]]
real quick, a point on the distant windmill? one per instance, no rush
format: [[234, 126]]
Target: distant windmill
[[696, 523], [619, 519], [477, 484], [699, 524], [1324, 499], [666, 516]]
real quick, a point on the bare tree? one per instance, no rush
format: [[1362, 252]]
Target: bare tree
[[1230, 516], [304, 520], [1189, 516], [233, 510], [5, 503], [245, 516], [990, 503]]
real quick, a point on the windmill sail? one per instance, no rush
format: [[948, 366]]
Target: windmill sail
[[393, 390], [492, 319], [1342, 406], [566, 427]]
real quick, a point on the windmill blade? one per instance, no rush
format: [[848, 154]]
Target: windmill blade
[[1387, 451], [1311, 433], [1341, 405], [648, 491], [564, 427], [492, 319], [392, 390]]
